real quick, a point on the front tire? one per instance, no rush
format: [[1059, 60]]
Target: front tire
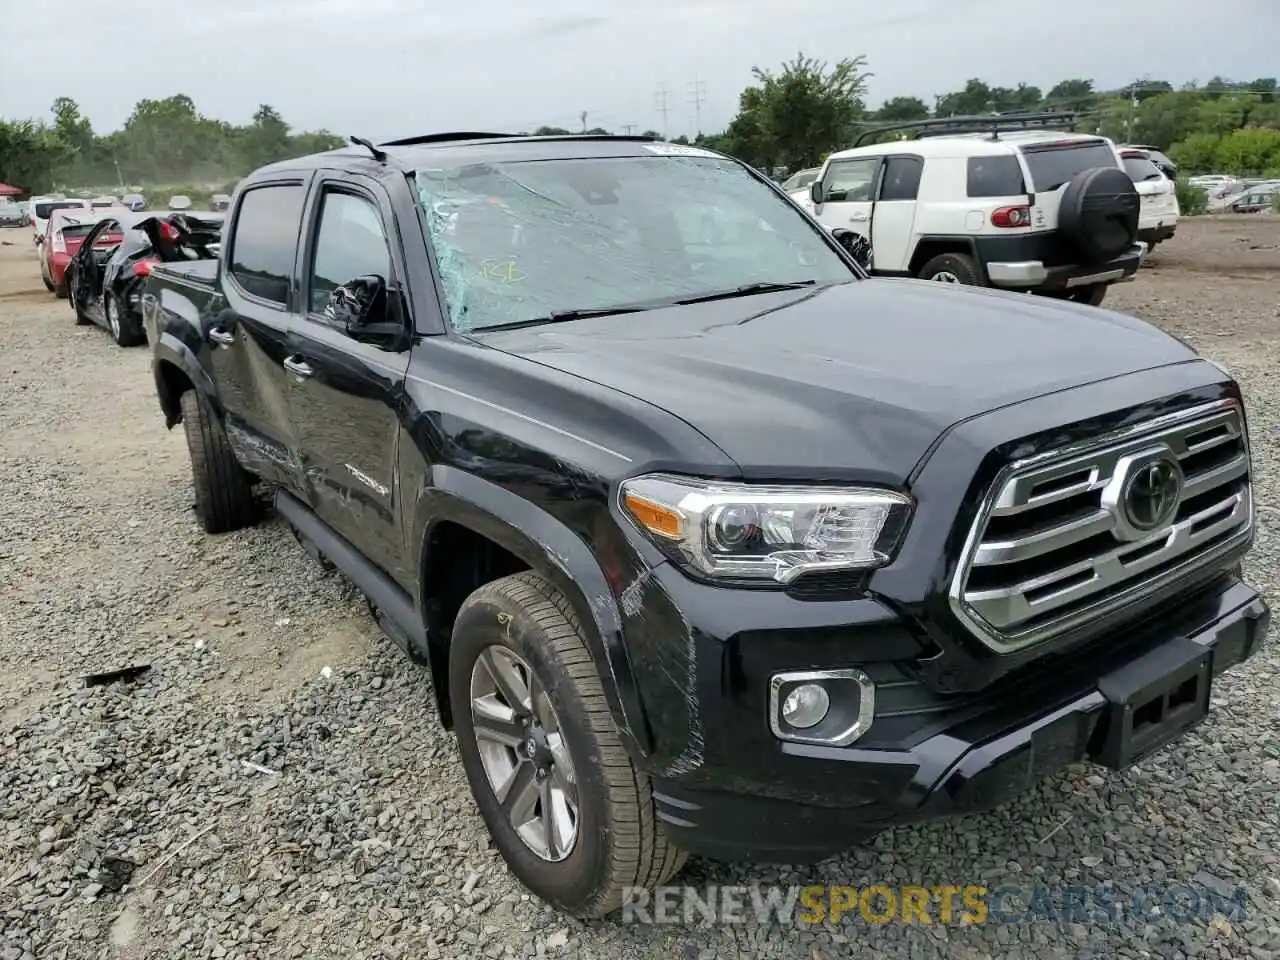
[[224, 494], [1093, 294], [521, 676], [953, 268]]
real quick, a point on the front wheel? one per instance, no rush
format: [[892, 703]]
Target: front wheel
[[952, 268], [1092, 294], [565, 806]]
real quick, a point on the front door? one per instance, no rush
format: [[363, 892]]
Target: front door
[[345, 396], [248, 340], [847, 194]]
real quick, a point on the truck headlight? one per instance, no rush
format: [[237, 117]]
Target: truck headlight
[[740, 531]]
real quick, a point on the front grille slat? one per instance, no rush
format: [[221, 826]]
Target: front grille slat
[[1055, 543]]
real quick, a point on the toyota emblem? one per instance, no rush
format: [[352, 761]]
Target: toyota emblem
[[1151, 494]]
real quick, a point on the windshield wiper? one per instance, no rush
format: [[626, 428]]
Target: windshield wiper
[[557, 316], [748, 290]]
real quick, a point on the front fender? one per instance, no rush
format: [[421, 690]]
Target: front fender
[[554, 551]]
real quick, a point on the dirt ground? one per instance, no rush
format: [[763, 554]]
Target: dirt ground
[[360, 838]]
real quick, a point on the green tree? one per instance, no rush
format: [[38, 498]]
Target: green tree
[[30, 153], [902, 110], [805, 109], [1074, 94]]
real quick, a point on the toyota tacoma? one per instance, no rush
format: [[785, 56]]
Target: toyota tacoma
[[708, 542]]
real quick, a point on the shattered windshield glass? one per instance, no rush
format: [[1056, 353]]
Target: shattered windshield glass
[[519, 242]]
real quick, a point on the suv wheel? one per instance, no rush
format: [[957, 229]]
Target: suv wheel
[[952, 268], [564, 804], [1092, 294], [224, 495]]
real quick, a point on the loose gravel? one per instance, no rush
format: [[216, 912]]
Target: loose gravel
[[276, 785]]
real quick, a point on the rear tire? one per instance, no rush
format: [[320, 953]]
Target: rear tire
[[1092, 295], [60, 289], [125, 327], [617, 841], [953, 268], [224, 494]]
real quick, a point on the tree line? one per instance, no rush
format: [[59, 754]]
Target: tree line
[[162, 142], [790, 117]]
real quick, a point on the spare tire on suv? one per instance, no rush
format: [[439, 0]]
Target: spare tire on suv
[[1098, 214]]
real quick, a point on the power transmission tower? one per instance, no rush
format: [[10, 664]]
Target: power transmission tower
[[697, 96], [660, 100], [584, 121], [628, 128]]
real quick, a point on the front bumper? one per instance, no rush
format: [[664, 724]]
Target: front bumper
[[1035, 276], [982, 756]]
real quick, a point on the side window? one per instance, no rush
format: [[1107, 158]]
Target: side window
[[995, 176], [850, 180], [901, 178], [265, 240], [350, 243]]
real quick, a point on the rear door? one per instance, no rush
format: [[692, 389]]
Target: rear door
[[848, 192], [893, 217], [345, 395], [1051, 166], [249, 339]]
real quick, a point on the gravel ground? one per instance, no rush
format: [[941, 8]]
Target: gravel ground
[[277, 785]]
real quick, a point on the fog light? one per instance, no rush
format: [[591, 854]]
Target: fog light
[[832, 708], [805, 706]]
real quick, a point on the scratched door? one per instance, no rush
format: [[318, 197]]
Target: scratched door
[[345, 397]]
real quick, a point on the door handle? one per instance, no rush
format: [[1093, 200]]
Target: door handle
[[859, 217], [297, 367], [222, 337]]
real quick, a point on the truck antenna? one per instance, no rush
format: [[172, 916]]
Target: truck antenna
[[379, 155]]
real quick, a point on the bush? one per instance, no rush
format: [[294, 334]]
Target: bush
[[1275, 202], [1192, 201]]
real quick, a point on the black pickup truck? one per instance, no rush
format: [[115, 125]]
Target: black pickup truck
[[709, 542]]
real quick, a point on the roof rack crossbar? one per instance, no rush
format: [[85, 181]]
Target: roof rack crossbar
[[443, 138], [452, 137], [995, 122]]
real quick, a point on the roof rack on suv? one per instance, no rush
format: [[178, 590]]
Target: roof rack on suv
[[995, 122]]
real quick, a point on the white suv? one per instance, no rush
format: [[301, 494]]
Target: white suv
[[1158, 217], [1035, 210]]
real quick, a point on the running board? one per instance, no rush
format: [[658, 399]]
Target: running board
[[382, 592]]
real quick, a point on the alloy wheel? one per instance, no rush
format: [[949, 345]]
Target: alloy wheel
[[945, 276], [113, 316], [523, 753]]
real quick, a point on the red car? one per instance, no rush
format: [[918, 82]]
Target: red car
[[67, 228]]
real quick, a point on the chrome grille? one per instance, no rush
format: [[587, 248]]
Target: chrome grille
[[1066, 536]]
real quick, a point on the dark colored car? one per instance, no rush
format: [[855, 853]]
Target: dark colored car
[[712, 547], [104, 276]]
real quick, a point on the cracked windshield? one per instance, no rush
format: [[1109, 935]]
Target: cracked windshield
[[520, 242]]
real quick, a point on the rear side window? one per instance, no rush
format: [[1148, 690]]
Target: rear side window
[[265, 240], [1052, 166], [995, 176], [901, 178], [1140, 168]]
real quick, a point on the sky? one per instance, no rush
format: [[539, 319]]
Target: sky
[[388, 68]]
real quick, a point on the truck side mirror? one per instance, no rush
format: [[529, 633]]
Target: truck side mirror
[[815, 192], [369, 312]]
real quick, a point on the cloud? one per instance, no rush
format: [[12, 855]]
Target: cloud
[[384, 68]]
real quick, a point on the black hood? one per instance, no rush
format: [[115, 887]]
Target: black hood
[[852, 381]]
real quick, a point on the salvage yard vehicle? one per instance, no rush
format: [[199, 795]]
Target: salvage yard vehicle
[[1158, 215], [41, 208], [104, 276], [721, 548], [1007, 201], [68, 227]]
